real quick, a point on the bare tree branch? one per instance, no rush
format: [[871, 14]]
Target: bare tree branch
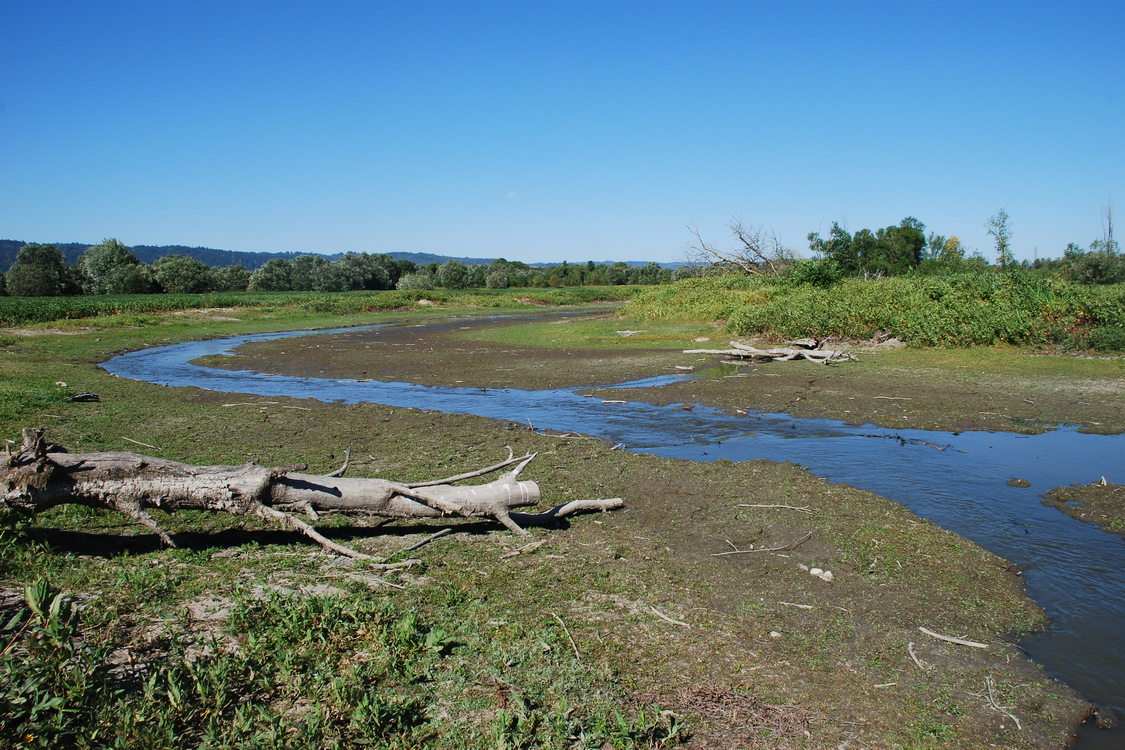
[[761, 252]]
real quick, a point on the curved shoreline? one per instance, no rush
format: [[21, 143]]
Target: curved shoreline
[[283, 382]]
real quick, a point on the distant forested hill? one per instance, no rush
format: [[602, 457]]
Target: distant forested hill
[[149, 253], [212, 257]]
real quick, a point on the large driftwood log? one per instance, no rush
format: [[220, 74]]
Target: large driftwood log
[[41, 475], [781, 354]]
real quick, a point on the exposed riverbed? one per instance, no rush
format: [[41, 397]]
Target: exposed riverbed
[[959, 480]]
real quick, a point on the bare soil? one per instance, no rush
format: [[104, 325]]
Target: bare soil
[[435, 354], [900, 388]]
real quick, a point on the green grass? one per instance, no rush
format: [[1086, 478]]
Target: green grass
[[339, 670], [138, 309]]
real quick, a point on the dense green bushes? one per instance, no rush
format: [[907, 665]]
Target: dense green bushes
[[956, 310], [45, 309]]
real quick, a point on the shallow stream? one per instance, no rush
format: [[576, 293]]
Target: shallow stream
[[958, 480]]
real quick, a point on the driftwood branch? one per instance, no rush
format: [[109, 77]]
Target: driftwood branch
[[998, 707], [951, 639], [41, 475], [779, 548], [747, 353]]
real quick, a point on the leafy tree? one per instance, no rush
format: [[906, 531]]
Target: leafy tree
[[890, 251], [230, 278], [416, 280], [837, 248], [273, 276], [101, 268], [1099, 265], [864, 244], [404, 267], [687, 272], [999, 228], [934, 245], [496, 279], [945, 255], [453, 274], [39, 271], [365, 271], [304, 271], [898, 249], [179, 274], [617, 274], [649, 273], [3, 285], [332, 277], [477, 274], [138, 279], [513, 273]]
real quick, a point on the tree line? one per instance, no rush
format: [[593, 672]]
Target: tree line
[[896, 250], [111, 268], [904, 249]]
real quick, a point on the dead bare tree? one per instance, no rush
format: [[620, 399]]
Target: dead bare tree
[[41, 475], [761, 251]]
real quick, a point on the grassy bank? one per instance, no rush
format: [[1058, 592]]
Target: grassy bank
[[1103, 504], [139, 309], [246, 636], [1017, 308]]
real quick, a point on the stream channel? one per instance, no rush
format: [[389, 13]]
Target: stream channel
[[1072, 569]]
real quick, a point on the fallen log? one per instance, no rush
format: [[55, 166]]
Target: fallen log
[[780, 354], [40, 475]]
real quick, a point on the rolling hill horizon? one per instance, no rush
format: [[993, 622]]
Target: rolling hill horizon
[[251, 260]]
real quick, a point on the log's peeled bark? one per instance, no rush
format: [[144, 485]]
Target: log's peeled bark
[[42, 475]]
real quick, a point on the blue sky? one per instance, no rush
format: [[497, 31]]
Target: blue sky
[[551, 131]]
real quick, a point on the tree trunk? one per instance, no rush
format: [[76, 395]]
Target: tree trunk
[[41, 475]]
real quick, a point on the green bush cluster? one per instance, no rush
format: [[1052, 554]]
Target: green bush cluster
[[1013, 307], [707, 298]]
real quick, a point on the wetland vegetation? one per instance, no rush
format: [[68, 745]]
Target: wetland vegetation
[[622, 630]]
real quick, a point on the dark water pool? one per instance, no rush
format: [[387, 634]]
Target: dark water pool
[[1072, 569]]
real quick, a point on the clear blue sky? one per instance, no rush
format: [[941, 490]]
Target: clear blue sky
[[548, 131]]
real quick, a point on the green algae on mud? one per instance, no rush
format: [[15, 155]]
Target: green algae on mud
[[830, 658]]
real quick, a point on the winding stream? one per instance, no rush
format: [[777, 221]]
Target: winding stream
[[1072, 569]]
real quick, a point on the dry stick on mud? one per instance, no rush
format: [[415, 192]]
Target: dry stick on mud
[[779, 548], [41, 475], [951, 639]]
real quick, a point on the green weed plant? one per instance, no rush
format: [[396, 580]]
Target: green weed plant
[[333, 671]]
